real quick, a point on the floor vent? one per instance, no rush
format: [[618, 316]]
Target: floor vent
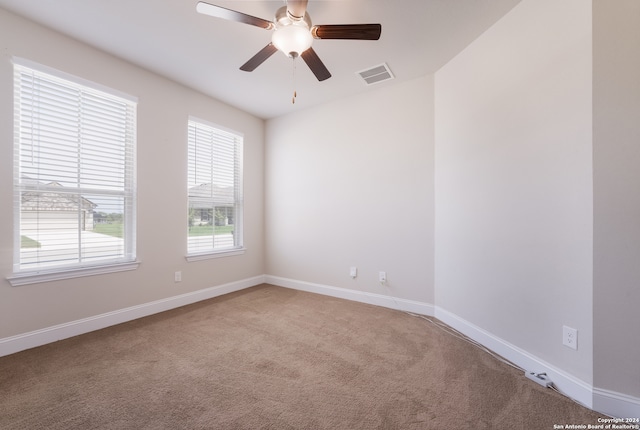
[[376, 74]]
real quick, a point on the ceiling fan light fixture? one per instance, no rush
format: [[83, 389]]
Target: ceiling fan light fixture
[[292, 39], [293, 33]]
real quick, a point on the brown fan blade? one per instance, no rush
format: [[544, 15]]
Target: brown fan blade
[[232, 15], [297, 8], [315, 64], [259, 58], [347, 31]]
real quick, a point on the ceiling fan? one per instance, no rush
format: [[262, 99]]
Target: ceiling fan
[[293, 33]]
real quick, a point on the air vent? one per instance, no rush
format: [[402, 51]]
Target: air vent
[[376, 74]]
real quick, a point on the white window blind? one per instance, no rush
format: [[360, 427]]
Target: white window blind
[[74, 174], [214, 189]]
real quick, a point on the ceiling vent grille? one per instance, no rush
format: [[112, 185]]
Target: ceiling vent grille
[[376, 74]]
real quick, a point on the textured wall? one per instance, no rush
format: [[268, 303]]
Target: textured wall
[[163, 110], [350, 183], [616, 148], [513, 182]]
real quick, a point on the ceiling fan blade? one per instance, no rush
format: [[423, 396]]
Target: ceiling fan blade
[[232, 15], [259, 58], [297, 8], [315, 64], [347, 31]]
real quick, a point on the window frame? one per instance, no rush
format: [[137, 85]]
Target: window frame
[[128, 260], [238, 204]]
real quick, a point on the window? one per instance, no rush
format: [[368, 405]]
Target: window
[[74, 175], [214, 190]]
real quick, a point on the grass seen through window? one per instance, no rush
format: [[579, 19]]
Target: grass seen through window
[[110, 229], [27, 242], [208, 230]]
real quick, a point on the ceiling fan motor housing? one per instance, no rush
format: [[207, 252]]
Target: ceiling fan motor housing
[[291, 36], [293, 33]]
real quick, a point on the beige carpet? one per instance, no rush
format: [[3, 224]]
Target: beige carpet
[[273, 358]]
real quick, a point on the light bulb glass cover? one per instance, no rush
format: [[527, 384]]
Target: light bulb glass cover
[[292, 39]]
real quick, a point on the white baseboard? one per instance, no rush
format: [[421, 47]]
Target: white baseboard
[[616, 404], [568, 384], [605, 402], [13, 344], [354, 295]]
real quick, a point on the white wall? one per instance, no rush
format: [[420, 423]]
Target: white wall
[[516, 251], [513, 135], [351, 184], [616, 144], [163, 110]]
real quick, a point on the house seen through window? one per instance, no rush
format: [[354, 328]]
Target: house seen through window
[[214, 189], [74, 172]]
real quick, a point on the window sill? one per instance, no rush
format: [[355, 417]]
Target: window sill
[[27, 278], [215, 254]]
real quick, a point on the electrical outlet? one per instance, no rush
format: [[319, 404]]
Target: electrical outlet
[[353, 272], [382, 277], [570, 337], [177, 277]]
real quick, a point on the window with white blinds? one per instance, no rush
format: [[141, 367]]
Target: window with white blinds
[[74, 173], [214, 189]]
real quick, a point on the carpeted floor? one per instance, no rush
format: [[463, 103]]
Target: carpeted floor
[[273, 358]]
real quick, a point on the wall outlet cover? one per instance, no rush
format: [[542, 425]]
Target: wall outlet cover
[[570, 337]]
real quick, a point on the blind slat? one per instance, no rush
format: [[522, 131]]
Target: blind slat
[[214, 188], [75, 175]]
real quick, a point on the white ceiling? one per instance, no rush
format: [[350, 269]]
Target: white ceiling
[[205, 53]]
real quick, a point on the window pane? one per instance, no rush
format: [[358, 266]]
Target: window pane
[[74, 180], [214, 189], [62, 229]]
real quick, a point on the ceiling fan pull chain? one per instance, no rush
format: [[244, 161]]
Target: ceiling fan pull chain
[[295, 94]]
